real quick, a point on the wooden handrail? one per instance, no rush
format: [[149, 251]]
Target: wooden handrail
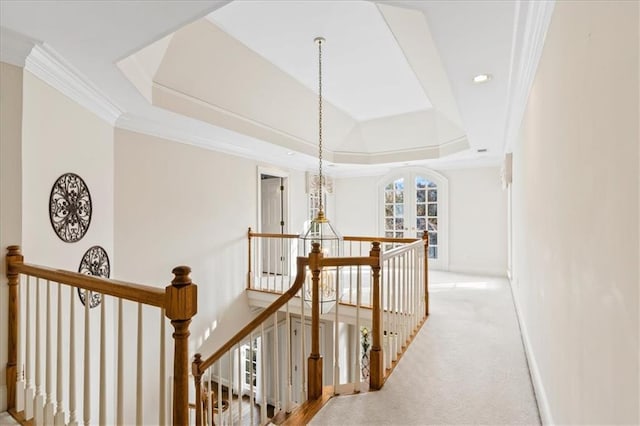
[[178, 299], [380, 239], [201, 367], [135, 292], [252, 234], [267, 235]]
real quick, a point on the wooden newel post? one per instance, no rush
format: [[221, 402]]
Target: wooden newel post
[[314, 364], [425, 238], [376, 368], [249, 259], [197, 379], [181, 304], [14, 255]]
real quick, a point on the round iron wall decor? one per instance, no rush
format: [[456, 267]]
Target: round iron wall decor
[[70, 207], [95, 262]]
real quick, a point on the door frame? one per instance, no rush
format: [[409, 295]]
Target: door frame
[[281, 174]]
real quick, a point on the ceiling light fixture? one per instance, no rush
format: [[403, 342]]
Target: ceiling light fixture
[[482, 78], [319, 229]]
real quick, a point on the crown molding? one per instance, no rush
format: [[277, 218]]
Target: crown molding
[[532, 19], [14, 47], [49, 66], [177, 132]]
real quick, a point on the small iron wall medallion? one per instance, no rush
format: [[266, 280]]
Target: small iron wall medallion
[[70, 207], [95, 262]]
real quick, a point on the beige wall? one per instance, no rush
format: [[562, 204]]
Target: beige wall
[[575, 216], [478, 221], [10, 191], [178, 204], [60, 136], [476, 212]]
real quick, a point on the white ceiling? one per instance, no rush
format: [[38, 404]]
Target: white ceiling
[[470, 37], [365, 72]]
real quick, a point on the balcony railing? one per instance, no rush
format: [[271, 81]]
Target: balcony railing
[[50, 333], [381, 300]]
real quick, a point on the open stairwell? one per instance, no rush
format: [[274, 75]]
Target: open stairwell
[[317, 327], [296, 354]]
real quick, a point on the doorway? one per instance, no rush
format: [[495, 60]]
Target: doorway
[[273, 218]]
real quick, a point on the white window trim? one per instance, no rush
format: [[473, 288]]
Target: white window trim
[[409, 174]]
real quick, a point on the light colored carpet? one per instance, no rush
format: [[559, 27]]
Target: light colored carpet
[[466, 366]]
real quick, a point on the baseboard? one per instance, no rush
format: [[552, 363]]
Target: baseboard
[[538, 386], [3, 398], [494, 272]]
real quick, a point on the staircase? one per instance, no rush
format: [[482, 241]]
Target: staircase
[[307, 355], [298, 352]]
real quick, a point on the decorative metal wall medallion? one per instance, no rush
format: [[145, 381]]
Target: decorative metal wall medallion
[[70, 207], [95, 262]]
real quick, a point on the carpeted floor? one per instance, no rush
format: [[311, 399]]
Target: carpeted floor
[[466, 366]]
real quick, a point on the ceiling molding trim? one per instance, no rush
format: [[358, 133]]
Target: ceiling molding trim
[[49, 66], [168, 102], [410, 154], [531, 22], [171, 132], [15, 47]]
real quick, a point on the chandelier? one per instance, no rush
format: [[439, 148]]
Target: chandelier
[[320, 229]]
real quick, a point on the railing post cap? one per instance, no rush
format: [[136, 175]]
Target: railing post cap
[[181, 276], [13, 250]]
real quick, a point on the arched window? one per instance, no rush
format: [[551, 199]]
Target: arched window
[[415, 200]]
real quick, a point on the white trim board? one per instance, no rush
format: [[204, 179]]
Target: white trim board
[[538, 386]]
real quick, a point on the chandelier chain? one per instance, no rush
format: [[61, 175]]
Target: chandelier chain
[[320, 123]]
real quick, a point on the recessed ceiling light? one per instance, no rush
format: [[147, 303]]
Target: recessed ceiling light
[[290, 153], [482, 78]]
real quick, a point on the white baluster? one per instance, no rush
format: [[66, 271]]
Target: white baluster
[[336, 337], [102, 411], [240, 383], [20, 384], [276, 358], [263, 377], [38, 406], [209, 397], [219, 393], [86, 409], [230, 388], [120, 372], [251, 373], [72, 359], [357, 346], [59, 419], [139, 385], [162, 380], [289, 385], [303, 361], [48, 408]]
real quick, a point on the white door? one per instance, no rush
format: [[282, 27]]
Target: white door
[[272, 221]]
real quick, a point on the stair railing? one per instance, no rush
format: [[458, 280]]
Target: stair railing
[[405, 297], [33, 345], [227, 368]]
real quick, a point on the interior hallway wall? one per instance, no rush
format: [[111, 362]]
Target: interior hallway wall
[[477, 213], [10, 192], [60, 136], [178, 204], [575, 216]]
